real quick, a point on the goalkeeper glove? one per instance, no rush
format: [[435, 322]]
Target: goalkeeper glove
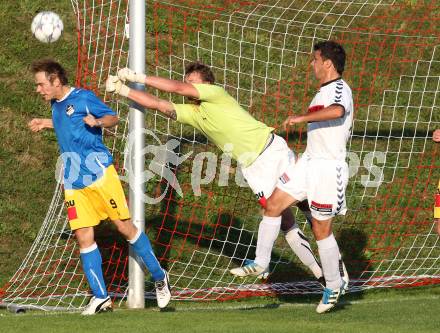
[[114, 85], [126, 74]]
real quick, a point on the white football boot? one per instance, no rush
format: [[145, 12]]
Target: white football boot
[[250, 269], [163, 291], [97, 305]]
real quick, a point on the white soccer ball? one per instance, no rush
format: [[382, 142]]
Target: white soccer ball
[[47, 27]]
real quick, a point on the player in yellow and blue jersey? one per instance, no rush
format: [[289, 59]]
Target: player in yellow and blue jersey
[[93, 191]]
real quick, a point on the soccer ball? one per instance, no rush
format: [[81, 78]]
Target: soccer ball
[[47, 27]]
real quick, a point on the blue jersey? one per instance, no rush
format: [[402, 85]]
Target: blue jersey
[[83, 153]]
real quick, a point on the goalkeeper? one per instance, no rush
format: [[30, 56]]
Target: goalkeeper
[[92, 188], [262, 156], [436, 138]]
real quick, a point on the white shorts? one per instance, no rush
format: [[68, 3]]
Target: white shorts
[[262, 175], [322, 182]]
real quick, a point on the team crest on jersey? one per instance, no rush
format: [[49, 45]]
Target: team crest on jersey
[[70, 110]]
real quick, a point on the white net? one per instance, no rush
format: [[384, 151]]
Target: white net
[[260, 54]]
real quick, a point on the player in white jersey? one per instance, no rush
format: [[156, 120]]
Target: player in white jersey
[[321, 174]]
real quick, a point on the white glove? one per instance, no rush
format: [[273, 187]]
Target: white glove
[[126, 74], [114, 85]]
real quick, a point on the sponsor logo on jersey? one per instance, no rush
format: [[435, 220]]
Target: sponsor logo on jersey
[[322, 208], [315, 108], [70, 110], [284, 178]]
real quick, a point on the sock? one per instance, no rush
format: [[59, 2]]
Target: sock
[[329, 255], [92, 265], [142, 247], [267, 234], [301, 247]]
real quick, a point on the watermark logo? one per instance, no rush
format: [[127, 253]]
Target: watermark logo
[[164, 159]]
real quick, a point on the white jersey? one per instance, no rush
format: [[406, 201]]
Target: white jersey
[[328, 139]]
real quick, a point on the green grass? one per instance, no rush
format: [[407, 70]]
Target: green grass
[[400, 311]]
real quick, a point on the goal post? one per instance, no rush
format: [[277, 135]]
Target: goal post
[[135, 153]]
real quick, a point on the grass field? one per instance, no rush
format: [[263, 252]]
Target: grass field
[[381, 311]]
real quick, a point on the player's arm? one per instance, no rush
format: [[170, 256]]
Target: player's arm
[[334, 111], [37, 124], [114, 85], [153, 102], [104, 122], [160, 83]]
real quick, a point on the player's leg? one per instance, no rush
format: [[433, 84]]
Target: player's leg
[[326, 193], [270, 225], [82, 218], [262, 177], [303, 206], [268, 231], [299, 244], [330, 260], [112, 194], [142, 247], [92, 266]]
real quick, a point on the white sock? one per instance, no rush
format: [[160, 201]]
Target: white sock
[[301, 247], [329, 255], [267, 234]]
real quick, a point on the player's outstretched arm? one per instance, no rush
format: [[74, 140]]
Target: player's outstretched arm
[[114, 85], [328, 113], [160, 83], [37, 124]]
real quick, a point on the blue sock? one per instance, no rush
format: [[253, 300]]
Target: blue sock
[[92, 265], [142, 247]]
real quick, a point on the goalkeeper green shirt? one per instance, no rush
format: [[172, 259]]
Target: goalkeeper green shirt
[[226, 123]]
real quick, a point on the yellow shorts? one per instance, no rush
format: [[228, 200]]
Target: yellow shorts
[[437, 203], [103, 199]]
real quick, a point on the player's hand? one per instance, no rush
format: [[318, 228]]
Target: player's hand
[[291, 121], [115, 85], [92, 121], [436, 135], [36, 124], [126, 74]]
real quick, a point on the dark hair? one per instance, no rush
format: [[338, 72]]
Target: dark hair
[[332, 51], [205, 71], [52, 69]]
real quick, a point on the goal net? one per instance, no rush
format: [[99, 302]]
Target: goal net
[[200, 216]]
